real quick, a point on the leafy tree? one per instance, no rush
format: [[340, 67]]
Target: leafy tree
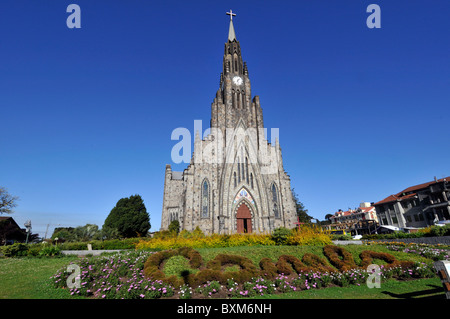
[[86, 233], [64, 234], [129, 217], [109, 233], [174, 226], [81, 233], [302, 212], [7, 201]]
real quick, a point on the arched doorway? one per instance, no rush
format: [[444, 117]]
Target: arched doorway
[[244, 219]]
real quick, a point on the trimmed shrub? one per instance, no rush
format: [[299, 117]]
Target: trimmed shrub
[[15, 250], [339, 257], [247, 271], [368, 256], [287, 263], [268, 268], [316, 263], [154, 264]]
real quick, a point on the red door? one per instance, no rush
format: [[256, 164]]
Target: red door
[[244, 219]]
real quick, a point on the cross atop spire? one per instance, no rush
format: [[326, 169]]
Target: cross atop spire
[[231, 14], [231, 33]]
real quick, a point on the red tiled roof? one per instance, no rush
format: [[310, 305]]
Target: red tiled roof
[[346, 213], [366, 209], [400, 196]]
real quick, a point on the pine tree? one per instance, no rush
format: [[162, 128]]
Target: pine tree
[[129, 217]]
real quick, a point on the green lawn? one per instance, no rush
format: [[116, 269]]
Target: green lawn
[[391, 289], [28, 278]]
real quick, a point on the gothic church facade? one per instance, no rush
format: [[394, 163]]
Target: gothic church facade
[[235, 182]]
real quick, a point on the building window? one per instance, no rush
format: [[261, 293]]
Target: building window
[[275, 209], [205, 199], [246, 169], [394, 219], [251, 180], [239, 171], [235, 180], [275, 201]]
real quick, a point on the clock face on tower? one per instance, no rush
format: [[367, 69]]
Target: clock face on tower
[[237, 80]]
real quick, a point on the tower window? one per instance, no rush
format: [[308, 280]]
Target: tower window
[[246, 169], [205, 199], [275, 201], [239, 171]]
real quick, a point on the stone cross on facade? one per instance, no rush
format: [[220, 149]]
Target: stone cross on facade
[[231, 14]]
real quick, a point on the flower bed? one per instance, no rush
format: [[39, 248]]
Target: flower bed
[[422, 250], [141, 274], [117, 276]]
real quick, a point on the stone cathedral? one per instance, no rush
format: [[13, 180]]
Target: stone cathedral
[[235, 182]]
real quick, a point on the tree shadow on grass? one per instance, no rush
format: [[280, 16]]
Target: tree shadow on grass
[[437, 292]]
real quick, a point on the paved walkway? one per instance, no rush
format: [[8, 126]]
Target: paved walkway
[[88, 252], [347, 242]]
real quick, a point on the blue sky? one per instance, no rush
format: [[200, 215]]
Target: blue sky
[[87, 114]]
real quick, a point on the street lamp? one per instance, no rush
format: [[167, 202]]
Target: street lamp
[[28, 227]]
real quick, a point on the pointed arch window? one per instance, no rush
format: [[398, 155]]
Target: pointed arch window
[[205, 199], [239, 171], [275, 201], [246, 169]]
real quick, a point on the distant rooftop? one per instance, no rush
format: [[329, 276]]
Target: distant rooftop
[[410, 191]]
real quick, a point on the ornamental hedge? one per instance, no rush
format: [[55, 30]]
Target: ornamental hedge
[[215, 269]]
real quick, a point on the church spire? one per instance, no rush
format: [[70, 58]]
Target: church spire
[[231, 33]]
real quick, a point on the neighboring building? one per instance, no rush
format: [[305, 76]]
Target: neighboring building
[[416, 206], [235, 182], [10, 232], [359, 221]]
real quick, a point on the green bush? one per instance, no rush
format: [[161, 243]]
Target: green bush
[[50, 251], [15, 250], [342, 237], [436, 231], [280, 235]]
